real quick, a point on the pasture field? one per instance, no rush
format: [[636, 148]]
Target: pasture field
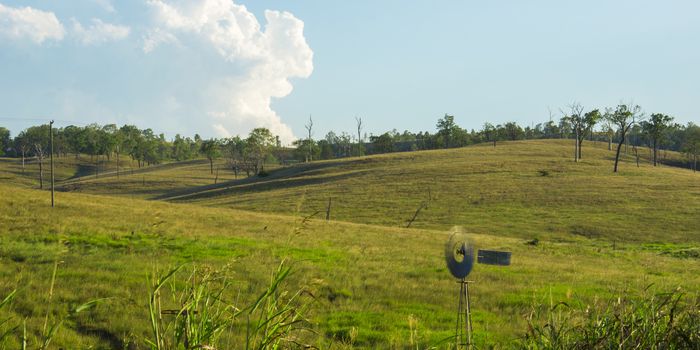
[[375, 283], [526, 189]]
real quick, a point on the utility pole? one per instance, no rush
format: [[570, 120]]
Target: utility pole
[[51, 155]]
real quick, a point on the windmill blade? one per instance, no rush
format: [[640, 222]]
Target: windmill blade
[[493, 257], [459, 254]]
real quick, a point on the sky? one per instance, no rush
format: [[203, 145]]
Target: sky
[[220, 67]]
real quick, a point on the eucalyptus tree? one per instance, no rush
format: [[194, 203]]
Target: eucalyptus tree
[[691, 144], [654, 128], [4, 140], [130, 136], [623, 117], [574, 121], [512, 131], [360, 146], [259, 144], [22, 147], [37, 137], [309, 141], [210, 149], [446, 128], [490, 133]]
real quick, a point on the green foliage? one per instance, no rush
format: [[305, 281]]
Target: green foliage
[[446, 128], [383, 143], [211, 149], [5, 141]]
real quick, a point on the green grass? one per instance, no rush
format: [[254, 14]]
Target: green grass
[[78, 175], [374, 283], [488, 190]]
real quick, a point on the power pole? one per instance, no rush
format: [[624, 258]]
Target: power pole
[[51, 155]]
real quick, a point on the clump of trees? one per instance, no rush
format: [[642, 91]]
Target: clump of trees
[[142, 146]]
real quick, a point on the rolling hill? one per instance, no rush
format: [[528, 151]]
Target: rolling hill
[[369, 275], [526, 189]]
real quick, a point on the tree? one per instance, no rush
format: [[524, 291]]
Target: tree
[[21, 144], [623, 117], [360, 147], [4, 141], [309, 141], [306, 149], [210, 149], [75, 139], [490, 133], [37, 137], [130, 136], [96, 144], [590, 119], [654, 128], [513, 131], [691, 143], [609, 132], [259, 144], [575, 122], [383, 143], [446, 127], [235, 150]]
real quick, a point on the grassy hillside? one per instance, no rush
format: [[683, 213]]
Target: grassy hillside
[[368, 280], [370, 277], [78, 174], [528, 189]]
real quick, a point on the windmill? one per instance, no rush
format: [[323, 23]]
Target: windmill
[[459, 257]]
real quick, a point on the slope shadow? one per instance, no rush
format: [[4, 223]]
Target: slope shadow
[[293, 176], [88, 173]]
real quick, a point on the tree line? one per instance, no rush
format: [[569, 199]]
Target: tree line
[[142, 146], [623, 125]]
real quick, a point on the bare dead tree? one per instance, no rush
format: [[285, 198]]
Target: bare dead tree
[[309, 129], [575, 118], [423, 205], [358, 120], [51, 155], [23, 149], [39, 150]]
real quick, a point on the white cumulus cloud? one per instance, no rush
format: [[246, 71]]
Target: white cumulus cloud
[[99, 32], [156, 37], [30, 23], [272, 56]]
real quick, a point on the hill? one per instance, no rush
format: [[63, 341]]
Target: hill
[[368, 281], [79, 174], [525, 189]]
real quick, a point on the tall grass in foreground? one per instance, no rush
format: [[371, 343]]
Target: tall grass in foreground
[[9, 326], [635, 321], [202, 316]]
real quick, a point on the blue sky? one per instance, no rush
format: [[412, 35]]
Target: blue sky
[[209, 67]]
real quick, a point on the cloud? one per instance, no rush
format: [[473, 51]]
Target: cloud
[[99, 32], [156, 37], [271, 57], [29, 23], [106, 5]]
